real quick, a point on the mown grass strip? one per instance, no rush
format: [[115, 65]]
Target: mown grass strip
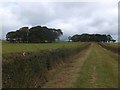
[[84, 80], [106, 69]]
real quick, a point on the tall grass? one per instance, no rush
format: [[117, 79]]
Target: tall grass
[[114, 47], [30, 71]]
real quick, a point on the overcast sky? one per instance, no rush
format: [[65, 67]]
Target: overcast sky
[[71, 17]]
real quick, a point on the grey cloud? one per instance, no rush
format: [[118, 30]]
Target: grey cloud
[[71, 17]]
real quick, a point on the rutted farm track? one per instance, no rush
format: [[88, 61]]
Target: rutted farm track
[[94, 67], [65, 76], [100, 69], [89, 66]]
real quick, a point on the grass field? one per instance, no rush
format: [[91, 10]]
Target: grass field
[[24, 47], [80, 65]]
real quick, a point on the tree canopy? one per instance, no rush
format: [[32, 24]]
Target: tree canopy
[[35, 34], [92, 38]]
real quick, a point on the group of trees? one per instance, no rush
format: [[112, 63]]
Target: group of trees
[[35, 34], [43, 34], [91, 38]]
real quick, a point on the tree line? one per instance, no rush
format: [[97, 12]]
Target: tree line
[[37, 34], [91, 38]]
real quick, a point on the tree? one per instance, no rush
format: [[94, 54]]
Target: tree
[[91, 38], [22, 34], [75, 38], [11, 36], [35, 34], [109, 38]]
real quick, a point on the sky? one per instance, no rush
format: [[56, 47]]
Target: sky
[[71, 17]]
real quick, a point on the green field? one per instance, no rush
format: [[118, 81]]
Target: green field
[[25, 47], [79, 64]]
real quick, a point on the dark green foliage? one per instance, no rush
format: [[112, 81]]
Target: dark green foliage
[[22, 34], [11, 36], [35, 34], [92, 38], [25, 71]]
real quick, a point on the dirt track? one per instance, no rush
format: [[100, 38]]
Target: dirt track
[[92, 68], [65, 76]]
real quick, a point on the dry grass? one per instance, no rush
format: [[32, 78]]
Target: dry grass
[[65, 76]]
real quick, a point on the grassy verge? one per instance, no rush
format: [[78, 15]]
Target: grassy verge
[[30, 71]]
